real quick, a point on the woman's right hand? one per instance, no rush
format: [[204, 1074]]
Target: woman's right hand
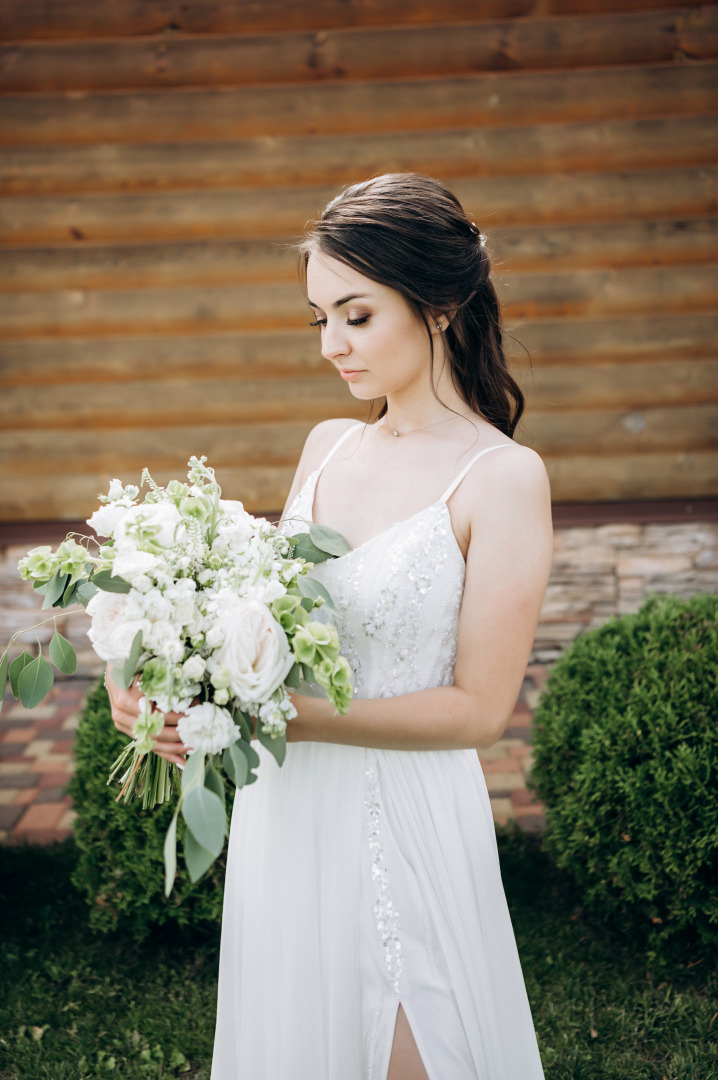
[[124, 706]]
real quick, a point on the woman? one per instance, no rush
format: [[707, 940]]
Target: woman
[[365, 930]]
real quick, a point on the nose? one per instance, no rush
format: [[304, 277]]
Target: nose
[[334, 342]]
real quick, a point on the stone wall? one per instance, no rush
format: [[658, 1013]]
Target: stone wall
[[598, 571]]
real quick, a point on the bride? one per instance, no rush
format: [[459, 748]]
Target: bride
[[365, 933]]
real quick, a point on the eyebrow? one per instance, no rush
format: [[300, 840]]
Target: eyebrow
[[344, 300]]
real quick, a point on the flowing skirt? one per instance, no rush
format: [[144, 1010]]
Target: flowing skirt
[[357, 880]]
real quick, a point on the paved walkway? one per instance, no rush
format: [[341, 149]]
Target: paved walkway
[[36, 762]]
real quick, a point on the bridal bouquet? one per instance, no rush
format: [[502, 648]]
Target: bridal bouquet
[[210, 609]]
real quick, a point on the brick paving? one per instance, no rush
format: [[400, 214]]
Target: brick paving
[[36, 763]]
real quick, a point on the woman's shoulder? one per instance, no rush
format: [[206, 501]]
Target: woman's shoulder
[[320, 441], [515, 476]]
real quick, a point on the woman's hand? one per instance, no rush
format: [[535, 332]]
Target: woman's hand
[[125, 710]]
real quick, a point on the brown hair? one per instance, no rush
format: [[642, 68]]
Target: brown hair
[[411, 233]]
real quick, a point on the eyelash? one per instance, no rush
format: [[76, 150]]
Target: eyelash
[[350, 322]]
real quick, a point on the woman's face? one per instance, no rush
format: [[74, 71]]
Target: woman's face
[[368, 331]]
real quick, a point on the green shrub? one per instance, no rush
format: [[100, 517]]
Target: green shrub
[[626, 763], [120, 869]]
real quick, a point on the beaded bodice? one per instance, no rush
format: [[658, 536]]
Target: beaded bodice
[[397, 597]]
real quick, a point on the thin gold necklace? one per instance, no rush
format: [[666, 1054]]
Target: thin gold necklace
[[411, 430]]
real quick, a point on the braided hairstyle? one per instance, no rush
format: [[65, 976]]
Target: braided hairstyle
[[411, 233]]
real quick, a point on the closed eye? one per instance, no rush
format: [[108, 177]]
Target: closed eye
[[350, 322]]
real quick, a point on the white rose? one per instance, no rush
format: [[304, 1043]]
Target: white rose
[[255, 651], [193, 668], [106, 519], [131, 564], [163, 517], [110, 633]]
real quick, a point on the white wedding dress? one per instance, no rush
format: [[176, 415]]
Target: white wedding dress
[[360, 879]]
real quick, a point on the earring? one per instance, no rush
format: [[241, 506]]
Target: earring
[[438, 326]]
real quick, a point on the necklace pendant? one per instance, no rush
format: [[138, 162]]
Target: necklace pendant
[[396, 433]]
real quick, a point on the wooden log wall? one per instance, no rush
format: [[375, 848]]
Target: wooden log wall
[[157, 156]]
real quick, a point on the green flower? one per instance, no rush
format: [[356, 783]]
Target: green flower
[[72, 559], [197, 508], [39, 564], [156, 677], [303, 646], [147, 727]]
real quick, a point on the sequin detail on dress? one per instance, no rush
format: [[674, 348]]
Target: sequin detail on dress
[[385, 914]]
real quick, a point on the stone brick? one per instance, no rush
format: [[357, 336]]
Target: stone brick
[[652, 565], [40, 816]]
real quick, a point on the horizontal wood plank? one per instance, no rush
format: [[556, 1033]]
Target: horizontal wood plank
[[592, 478], [565, 343], [220, 262], [76, 312], [606, 432], [577, 342], [75, 19], [491, 100], [353, 54], [633, 387], [493, 203], [662, 142]]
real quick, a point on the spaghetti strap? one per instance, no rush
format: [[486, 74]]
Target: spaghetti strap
[[345, 435], [455, 483]]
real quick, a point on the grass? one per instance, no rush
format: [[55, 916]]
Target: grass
[[79, 1006]]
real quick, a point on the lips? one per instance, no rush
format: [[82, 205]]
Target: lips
[[350, 373]]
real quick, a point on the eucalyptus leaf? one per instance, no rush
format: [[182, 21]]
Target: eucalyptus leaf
[[85, 591], [35, 682], [104, 580], [55, 588], [68, 597], [123, 674], [206, 818], [62, 654], [308, 604], [236, 765], [251, 777], [213, 781], [245, 728], [314, 590], [4, 663], [277, 747], [293, 678], [197, 859], [249, 752], [41, 586], [16, 668], [135, 651], [328, 540], [170, 854], [193, 772], [305, 549], [308, 673]]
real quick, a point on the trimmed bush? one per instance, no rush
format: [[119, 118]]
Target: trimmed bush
[[626, 763], [120, 869]]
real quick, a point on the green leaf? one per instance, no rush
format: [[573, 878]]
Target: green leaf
[[206, 818], [329, 540], [277, 747], [35, 682], [213, 781], [55, 588], [68, 597], [3, 675], [16, 667], [62, 654], [41, 586], [193, 772], [314, 590], [104, 580], [236, 765], [308, 603], [197, 858], [242, 721], [170, 854], [125, 673], [292, 679], [249, 752], [305, 549], [308, 673], [85, 591]]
